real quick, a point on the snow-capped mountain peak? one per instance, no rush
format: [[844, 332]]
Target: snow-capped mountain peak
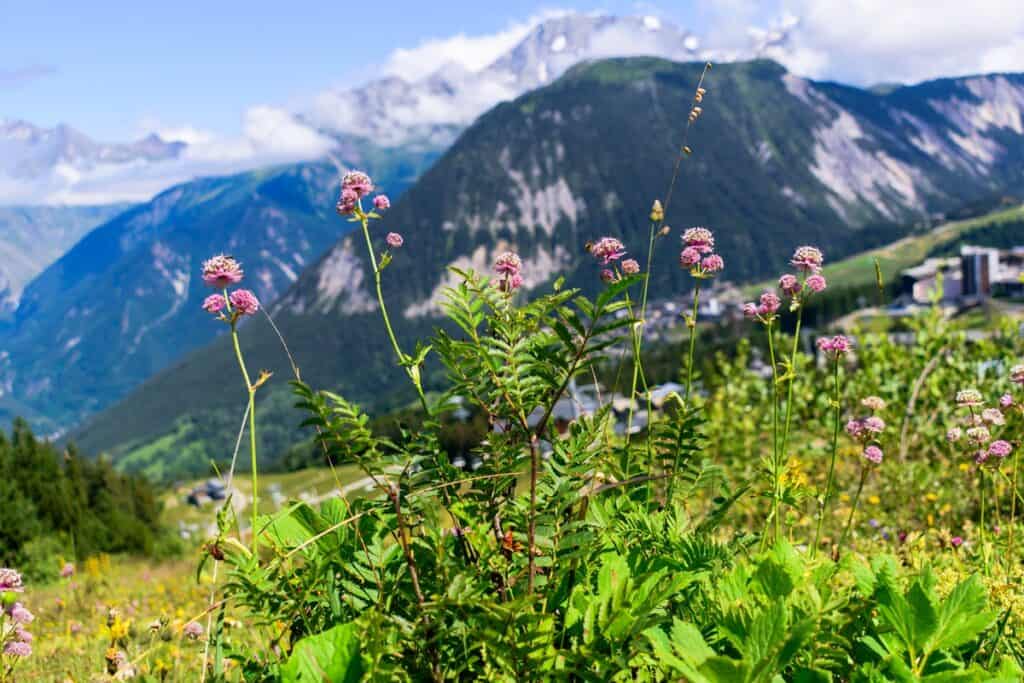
[[395, 111]]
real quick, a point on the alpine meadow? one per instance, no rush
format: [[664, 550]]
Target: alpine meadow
[[593, 349]]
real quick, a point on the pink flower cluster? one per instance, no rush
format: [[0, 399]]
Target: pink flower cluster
[[834, 346], [15, 639], [193, 630], [222, 271], [766, 308], [978, 426], [219, 272], [806, 259], [509, 266], [607, 249], [866, 430], [354, 186], [697, 254]]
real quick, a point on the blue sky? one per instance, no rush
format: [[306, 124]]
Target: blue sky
[[109, 67], [115, 68], [255, 83]]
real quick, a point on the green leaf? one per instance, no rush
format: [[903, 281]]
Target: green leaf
[[328, 657], [962, 616]]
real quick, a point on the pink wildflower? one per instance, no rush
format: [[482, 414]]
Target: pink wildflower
[[608, 249], [508, 264], [358, 182], [874, 424], [22, 635], [222, 271], [1017, 374], [712, 264], [213, 303], [630, 267], [750, 310], [789, 285], [700, 239], [874, 454], [515, 282], [993, 416], [10, 581], [874, 403], [1006, 400], [20, 615], [807, 259], [193, 630], [969, 398], [394, 240], [979, 435], [689, 257], [607, 276], [244, 302], [836, 345], [816, 283], [956, 541], [855, 428], [347, 201], [1000, 448], [954, 434], [770, 303], [17, 648], [381, 202]]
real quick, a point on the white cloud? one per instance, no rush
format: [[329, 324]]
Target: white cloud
[[907, 41], [269, 136], [472, 53]]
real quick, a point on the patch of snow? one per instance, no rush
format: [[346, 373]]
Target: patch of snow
[[652, 23], [559, 43]]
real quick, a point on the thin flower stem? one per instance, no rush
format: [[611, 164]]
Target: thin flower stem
[[789, 413], [823, 501], [252, 435], [856, 501], [411, 371], [775, 429], [693, 343], [1013, 515], [984, 533], [636, 372]]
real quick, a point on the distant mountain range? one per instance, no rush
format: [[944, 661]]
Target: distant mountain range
[[33, 237], [120, 305], [42, 163], [396, 110], [778, 160], [417, 114]]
